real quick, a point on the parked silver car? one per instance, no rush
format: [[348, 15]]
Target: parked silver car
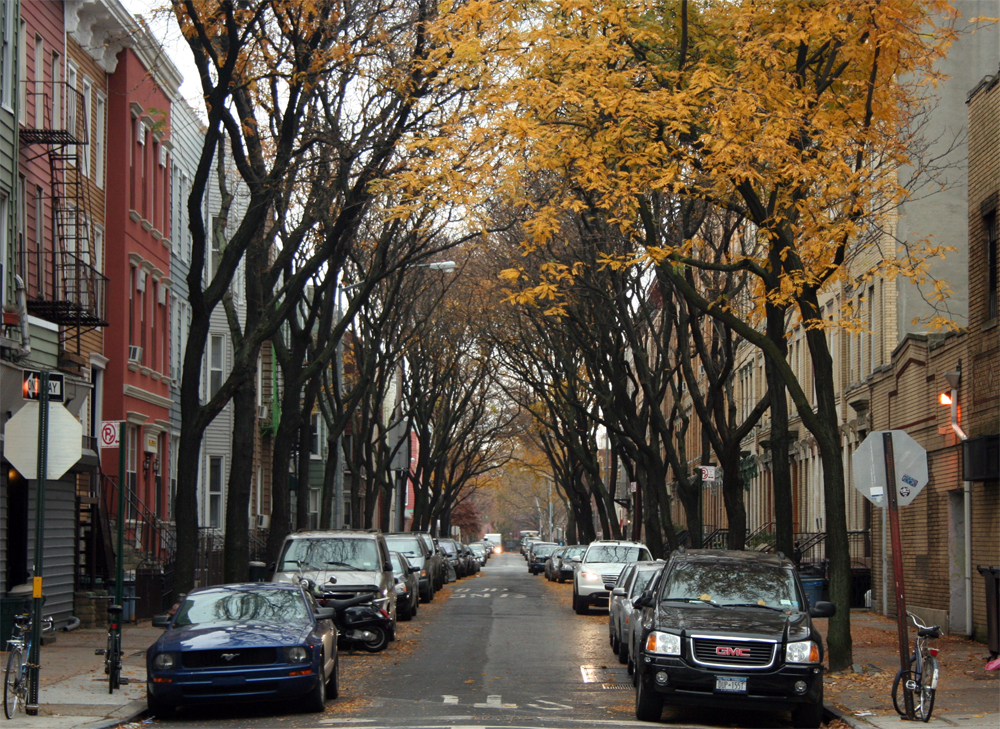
[[634, 579], [342, 563]]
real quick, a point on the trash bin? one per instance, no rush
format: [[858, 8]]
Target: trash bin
[[814, 589], [258, 572], [17, 601], [992, 575]]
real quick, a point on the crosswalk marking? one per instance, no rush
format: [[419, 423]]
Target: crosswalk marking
[[494, 701], [449, 699]]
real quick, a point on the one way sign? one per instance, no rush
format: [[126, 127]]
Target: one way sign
[[33, 385]]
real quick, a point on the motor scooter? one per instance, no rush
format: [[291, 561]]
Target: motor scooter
[[360, 622]]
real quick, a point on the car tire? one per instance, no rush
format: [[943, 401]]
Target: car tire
[[333, 683], [808, 716], [622, 652], [648, 704], [159, 708], [315, 700], [580, 605], [560, 579], [406, 614], [413, 612]]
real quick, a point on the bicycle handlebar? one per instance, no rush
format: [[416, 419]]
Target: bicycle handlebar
[[920, 625]]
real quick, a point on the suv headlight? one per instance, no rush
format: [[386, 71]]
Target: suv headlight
[[590, 577], [165, 661], [664, 644], [805, 651]]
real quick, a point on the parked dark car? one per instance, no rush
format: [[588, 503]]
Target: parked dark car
[[285, 648], [407, 586], [568, 561], [482, 552], [435, 560], [418, 553], [730, 630], [539, 553], [449, 547], [551, 564]]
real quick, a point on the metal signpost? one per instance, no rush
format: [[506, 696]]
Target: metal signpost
[[112, 434], [891, 468], [34, 655]]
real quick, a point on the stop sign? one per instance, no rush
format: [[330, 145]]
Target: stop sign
[[21, 441], [910, 465]]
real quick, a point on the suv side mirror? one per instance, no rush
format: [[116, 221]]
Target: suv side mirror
[[644, 600], [161, 621], [823, 609], [617, 591]]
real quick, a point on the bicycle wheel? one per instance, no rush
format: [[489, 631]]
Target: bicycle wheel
[[114, 662], [928, 685], [898, 687], [13, 683]]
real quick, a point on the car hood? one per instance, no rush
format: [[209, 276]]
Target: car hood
[[345, 579], [729, 622], [603, 568], [225, 636]]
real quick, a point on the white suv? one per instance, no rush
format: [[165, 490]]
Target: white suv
[[595, 576]]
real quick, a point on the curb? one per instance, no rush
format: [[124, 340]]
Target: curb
[[833, 712], [127, 714]]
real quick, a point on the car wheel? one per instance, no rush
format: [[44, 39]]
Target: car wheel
[[378, 641], [158, 707], [315, 702], [333, 683], [648, 705], [406, 613], [622, 652], [808, 716], [580, 605]]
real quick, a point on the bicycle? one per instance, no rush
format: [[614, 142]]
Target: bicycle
[[921, 680], [113, 653], [17, 677]]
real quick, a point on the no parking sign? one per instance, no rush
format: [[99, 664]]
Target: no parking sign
[[110, 436]]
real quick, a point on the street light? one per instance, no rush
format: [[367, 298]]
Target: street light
[[338, 477]]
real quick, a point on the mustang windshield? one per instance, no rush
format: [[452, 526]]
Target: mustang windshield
[[729, 583], [240, 605], [330, 554]]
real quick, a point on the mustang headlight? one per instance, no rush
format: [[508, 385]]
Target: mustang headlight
[[165, 661], [805, 651], [297, 654], [664, 644]]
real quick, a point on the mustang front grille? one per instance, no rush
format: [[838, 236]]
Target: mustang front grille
[[232, 657]]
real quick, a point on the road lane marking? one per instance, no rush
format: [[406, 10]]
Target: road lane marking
[[552, 705], [449, 699], [494, 701]]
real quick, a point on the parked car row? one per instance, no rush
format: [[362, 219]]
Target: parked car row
[[710, 628], [279, 640]]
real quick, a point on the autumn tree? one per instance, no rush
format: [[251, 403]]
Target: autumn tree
[[794, 114]]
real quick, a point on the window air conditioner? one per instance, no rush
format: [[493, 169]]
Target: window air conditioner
[[134, 353], [263, 521]]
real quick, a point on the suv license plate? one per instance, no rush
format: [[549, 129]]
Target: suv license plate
[[731, 685]]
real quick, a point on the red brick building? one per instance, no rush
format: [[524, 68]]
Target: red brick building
[[138, 267]]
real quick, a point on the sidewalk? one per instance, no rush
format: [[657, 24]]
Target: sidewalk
[[967, 695], [73, 690]]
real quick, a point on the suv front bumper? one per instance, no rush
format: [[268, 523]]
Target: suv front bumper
[[696, 686]]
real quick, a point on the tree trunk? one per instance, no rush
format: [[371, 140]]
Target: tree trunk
[[236, 549], [733, 497], [781, 476]]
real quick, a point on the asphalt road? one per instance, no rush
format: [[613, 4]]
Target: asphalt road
[[502, 648]]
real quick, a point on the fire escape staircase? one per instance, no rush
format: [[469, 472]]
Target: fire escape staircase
[[72, 290]]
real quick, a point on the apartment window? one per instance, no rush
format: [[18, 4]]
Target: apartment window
[[154, 212], [154, 359], [98, 255], [22, 74], [314, 508], [39, 82], [132, 456], [871, 329], [100, 122], [314, 443], [40, 241], [215, 492], [3, 249], [217, 244], [72, 112], [87, 89], [57, 92], [992, 267], [7, 53], [215, 365]]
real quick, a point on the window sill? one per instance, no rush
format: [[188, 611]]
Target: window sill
[[134, 214], [134, 366]]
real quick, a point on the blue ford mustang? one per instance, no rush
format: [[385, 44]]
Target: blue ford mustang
[[256, 641]]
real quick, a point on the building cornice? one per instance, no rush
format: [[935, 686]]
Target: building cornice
[[146, 396]]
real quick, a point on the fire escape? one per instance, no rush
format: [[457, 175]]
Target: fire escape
[[70, 289]]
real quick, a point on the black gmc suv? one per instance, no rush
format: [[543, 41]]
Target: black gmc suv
[[730, 630]]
